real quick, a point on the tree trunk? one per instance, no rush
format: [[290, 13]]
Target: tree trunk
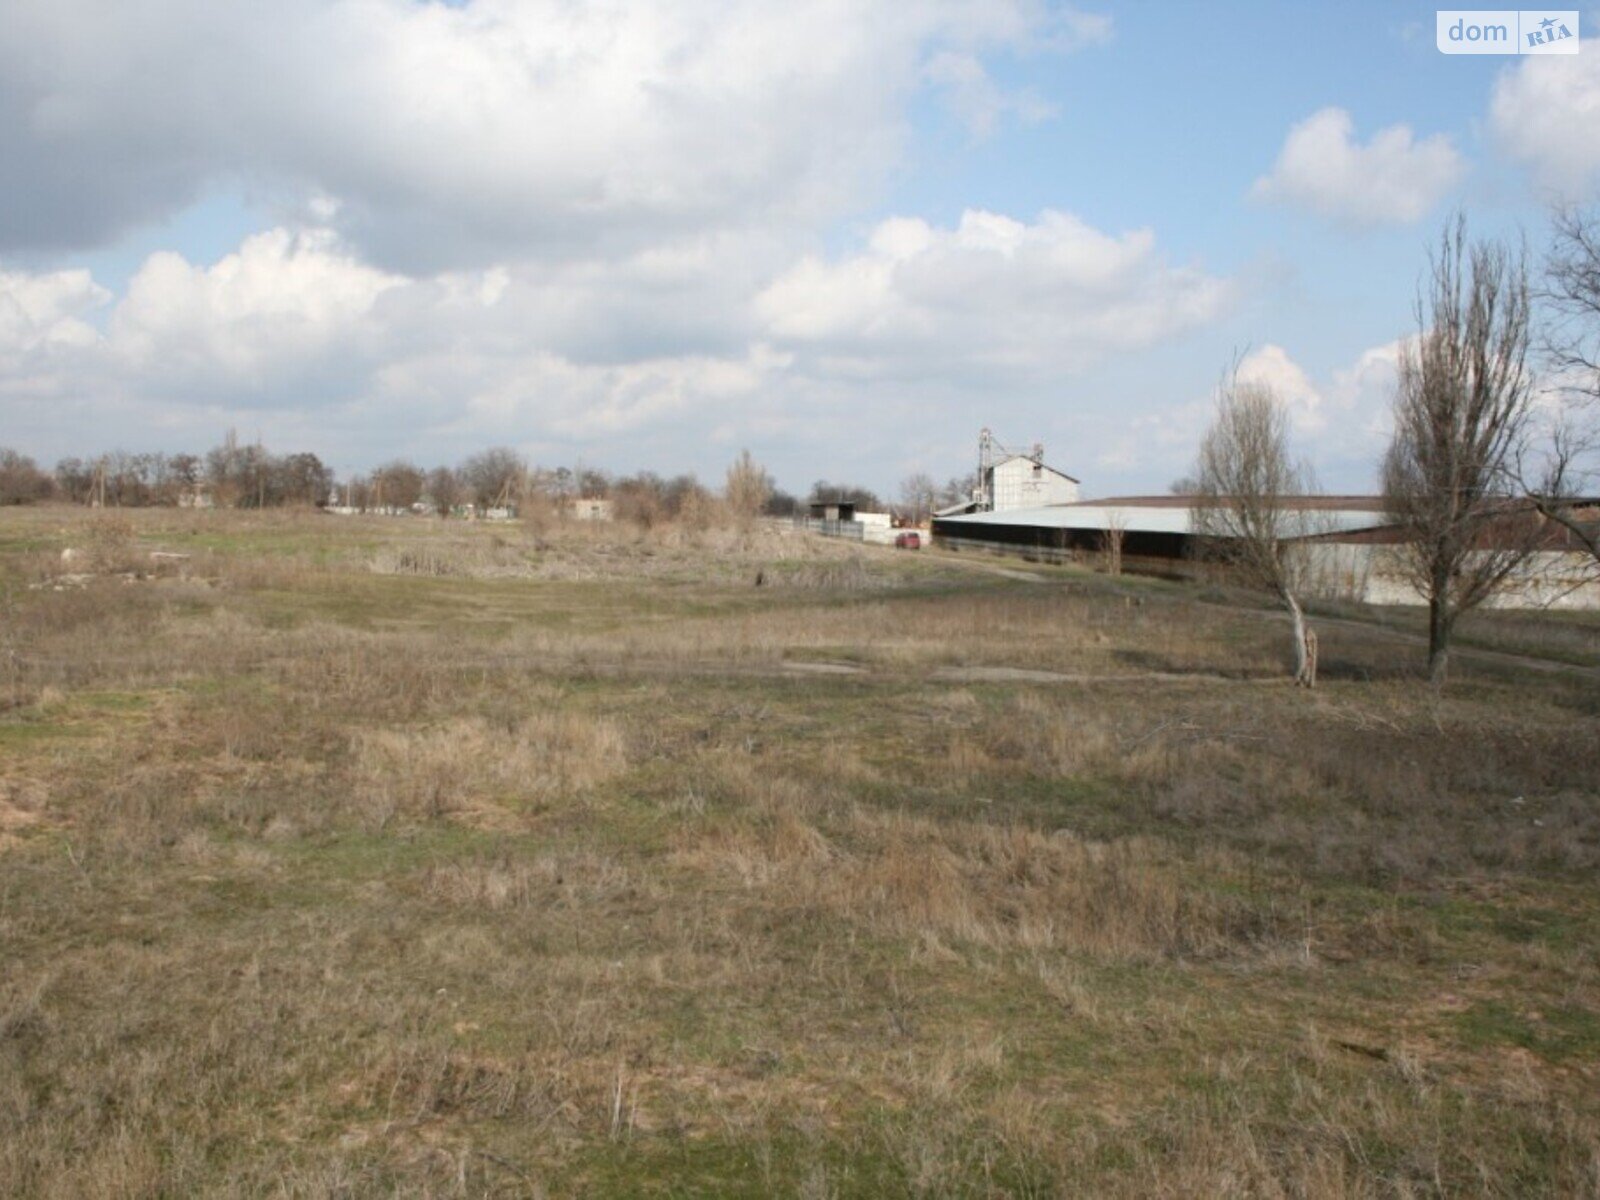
[[1299, 619], [1439, 623]]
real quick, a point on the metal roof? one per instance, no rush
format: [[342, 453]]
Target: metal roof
[[1036, 462], [1146, 517]]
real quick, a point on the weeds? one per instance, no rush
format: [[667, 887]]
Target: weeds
[[413, 858]]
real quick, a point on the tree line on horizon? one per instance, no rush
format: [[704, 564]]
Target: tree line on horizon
[[249, 476]]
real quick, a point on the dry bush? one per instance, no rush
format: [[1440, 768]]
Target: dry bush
[[701, 511], [345, 674], [109, 543], [482, 556], [473, 764], [428, 1082], [1306, 1124], [580, 882], [850, 575], [701, 544], [1026, 889], [1396, 788], [145, 809], [970, 883]]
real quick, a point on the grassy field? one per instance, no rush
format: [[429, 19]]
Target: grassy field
[[347, 858]]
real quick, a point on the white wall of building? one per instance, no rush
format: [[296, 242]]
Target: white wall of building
[[1023, 483], [877, 528], [1371, 574]]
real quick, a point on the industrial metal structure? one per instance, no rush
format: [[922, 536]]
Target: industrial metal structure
[[1014, 479]]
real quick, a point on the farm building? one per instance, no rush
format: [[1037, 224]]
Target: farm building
[[833, 510], [1354, 545], [1021, 481], [1014, 479], [843, 519]]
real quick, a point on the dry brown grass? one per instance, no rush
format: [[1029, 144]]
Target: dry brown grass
[[567, 551], [997, 887], [469, 766], [323, 880]]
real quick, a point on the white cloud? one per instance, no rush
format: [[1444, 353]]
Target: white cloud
[[976, 99], [667, 356], [40, 311], [1271, 365], [1546, 114], [528, 220], [48, 349], [1340, 421], [1394, 178], [1362, 392], [992, 293], [282, 300], [438, 135]]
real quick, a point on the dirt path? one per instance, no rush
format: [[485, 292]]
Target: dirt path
[[1458, 652], [989, 568], [1032, 675]]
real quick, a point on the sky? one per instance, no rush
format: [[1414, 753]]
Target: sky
[[843, 234]]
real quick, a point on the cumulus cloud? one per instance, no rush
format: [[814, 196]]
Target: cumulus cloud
[[441, 135], [1393, 178], [675, 352], [991, 293], [553, 224], [976, 99], [256, 319], [1346, 419], [41, 311], [1272, 367], [1545, 113], [1340, 420]]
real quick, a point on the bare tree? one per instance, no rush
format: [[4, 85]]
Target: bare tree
[[398, 484], [493, 476], [1562, 479], [918, 494], [1572, 285], [225, 471], [1460, 414], [1245, 482], [303, 479], [1566, 466], [444, 490], [957, 490], [748, 487], [1111, 541], [21, 481]]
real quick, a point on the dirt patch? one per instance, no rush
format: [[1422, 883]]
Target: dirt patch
[[20, 805], [824, 668], [1030, 675]]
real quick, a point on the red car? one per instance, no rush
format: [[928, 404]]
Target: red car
[[908, 539]]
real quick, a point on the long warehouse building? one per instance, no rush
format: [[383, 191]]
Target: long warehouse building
[[1354, 545]]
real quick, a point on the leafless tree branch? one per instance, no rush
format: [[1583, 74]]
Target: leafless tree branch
[[1245, 480], [1461, 418]]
